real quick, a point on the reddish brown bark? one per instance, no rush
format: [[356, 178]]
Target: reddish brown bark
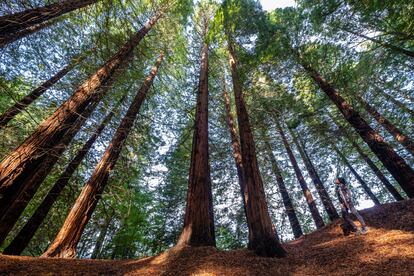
[[369, 162], [317, 219], [390, 127], [396, 165], [320, 188], [262, 236], [14, 23], [199, 220], [64, 245], [24, 236], [287, 202], [19, 106], [20, 164]]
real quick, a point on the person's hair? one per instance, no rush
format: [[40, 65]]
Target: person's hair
[[341, 179]]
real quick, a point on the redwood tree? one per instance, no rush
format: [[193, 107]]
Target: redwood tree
[[64, 245], [22, 239], [18, 167]]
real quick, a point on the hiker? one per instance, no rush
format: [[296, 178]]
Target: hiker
[[344, 196]]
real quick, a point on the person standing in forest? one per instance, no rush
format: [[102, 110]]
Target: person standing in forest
[[344, 195]]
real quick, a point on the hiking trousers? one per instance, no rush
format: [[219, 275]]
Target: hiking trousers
[[358, 216]]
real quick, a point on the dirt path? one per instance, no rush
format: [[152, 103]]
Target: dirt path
[[388, 248]]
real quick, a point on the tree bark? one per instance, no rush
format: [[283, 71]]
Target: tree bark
[[306, 192], [19, 106], [396, 165], [64, 245], [397, 196], [237, 155], [262, 236], [17, 22], [199, 220], [17, 167], [287, 202], [323, 194], [356, 174], [390, 127], [24, 236]]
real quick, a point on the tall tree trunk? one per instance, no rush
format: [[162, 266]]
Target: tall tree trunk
[[396, 165], [24, 236], [364, 185], [323, 194], [383, 44], [64, 245], [19, 106], [396, 102], [101, 238], [7, 39], [306, 192], [11, 215], [19, 166], [262, 236], [390, 127], [287, 202], [237, 155], [17, 22], [199, 220], [369, 162]]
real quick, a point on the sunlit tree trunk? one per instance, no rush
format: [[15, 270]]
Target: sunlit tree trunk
[[369, 162], [199, 220], [396, 165], [390, 127], [14, 23], [262, 236], [306, 192], [24, 236], [287, 202], [64, 245], [19, 166], [19, 106], [323, 194]]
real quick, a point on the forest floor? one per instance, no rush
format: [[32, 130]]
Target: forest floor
[[388, 248]]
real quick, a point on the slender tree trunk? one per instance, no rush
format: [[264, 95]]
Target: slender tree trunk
[[19, 166], [306, 192], [19, 106], [13, 212], [396, 102], [101, 238], [15, 23], [287, 202], [369, 162], [64, 245], [323, 194], [383, 44], [396, 165], [199, 220], [237, 155], [262, 236], [364, 185], [23, 238], [7, 39], [390, 127]]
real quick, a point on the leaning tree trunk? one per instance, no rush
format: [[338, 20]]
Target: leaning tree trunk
[[306, 192], [14, 23], [369, 162], [19, 166], [287, 202], [396, 102], [323, 194], [237, 155], [394, 163], [262, 235], [64, 245], [19, 106], [199, 220], [364, 185], [13, 212], [390, 127], [24, 236]]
